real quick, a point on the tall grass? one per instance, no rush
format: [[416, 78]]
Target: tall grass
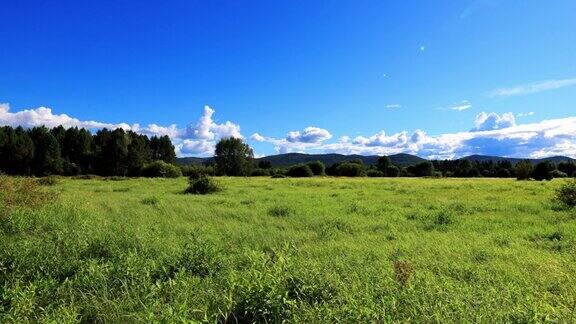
[[295, 250]]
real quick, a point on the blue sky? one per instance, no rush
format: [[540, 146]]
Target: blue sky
[[433, 78]]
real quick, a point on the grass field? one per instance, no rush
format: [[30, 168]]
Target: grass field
[[310, 250]]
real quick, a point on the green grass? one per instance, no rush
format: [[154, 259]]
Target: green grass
[[301, 250]]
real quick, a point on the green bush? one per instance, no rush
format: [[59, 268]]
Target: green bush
[[350, 169], [278, 176], [524, 170], [196, 170], [202, 186], [566, 194], [543, 171], [86, 177], [558, 174], [317, 167], [392, 171], [161, 169], [375, 173], [21, 193], [300, 171], [260, 172]]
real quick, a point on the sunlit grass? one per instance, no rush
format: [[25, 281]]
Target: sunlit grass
[[321, 249]]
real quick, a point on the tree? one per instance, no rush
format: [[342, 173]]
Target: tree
[[47, 159], [524, 170], [350, 169], [422, 169], [568, 167], [300, 171], [233, 157], [383, 163], [16, 151], [392, 171], [264, 164], [543, 171], [317, 167], [162, 149], [138, 153]]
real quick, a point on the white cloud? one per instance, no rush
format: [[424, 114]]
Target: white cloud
[[44, 116], [308, 135], [195, 139], [533, 88], [493, 134], [393, 106], [530, 113], [195, 147], [461, 106], [493, 121], [257, 137]]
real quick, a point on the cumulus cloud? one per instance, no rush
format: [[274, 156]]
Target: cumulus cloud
[[492, 121], [309, 135], [257, 137], [533, 88], [44, 116], [493, 134], [196, 139]]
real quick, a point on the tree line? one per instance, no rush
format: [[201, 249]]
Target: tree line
[[233, 157], [41, 151]]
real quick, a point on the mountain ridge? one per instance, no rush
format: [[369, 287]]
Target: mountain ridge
[[401, 159]]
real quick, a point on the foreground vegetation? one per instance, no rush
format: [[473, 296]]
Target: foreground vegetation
[[314, 249]]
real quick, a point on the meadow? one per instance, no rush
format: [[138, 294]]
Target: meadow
[[297, 250]]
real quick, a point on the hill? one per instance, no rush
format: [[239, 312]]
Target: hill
[[402, 160], [487, 158]]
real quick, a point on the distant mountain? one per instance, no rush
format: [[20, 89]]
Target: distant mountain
[[487, 158], [402, 160], [192, 160]]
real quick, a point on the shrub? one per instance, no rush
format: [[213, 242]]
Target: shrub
[[86, 177], [48, 181], [196, 170], [374, 173], [260, 172], [300, 171], [350, 169], [403, 271], [392, 171], [558, 174], [116, 178], [524, 170], [161, 169], [278, 176], [317, 167], [566, 194], [21, 193], [202, 186], [543, 171], [503, 173]]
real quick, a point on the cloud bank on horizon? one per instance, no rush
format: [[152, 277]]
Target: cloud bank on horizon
[[491, 134]]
